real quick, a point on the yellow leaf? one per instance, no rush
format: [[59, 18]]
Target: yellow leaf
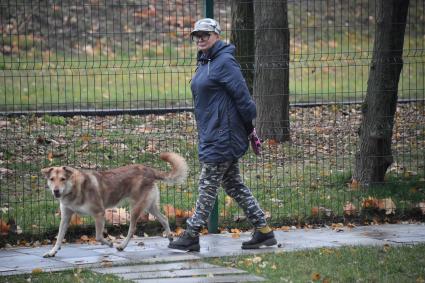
[[179, 231], [236, 236], [37, 271], [285, 228], [315, 276], [228, 201]]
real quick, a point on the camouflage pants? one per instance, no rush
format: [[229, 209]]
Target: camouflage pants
[[227, 174]]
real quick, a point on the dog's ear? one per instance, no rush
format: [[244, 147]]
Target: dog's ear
[[68, 171], [46, 171]]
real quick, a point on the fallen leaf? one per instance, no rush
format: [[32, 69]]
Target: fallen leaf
[[387, 204], [75, 220], [84, 238], [169, 210], [37, 271], [117, 216], [236, 233], [4, 228], [354, 185], [421, 206], [370, 202], [315, 276], [272, 142], [179, 231], [228, 201], [316, 211], [285, 228], [5, 171], [349, 209]]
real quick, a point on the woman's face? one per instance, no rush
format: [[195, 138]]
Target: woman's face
[[205, 40]]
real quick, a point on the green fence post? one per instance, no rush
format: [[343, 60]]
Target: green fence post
[[213, 219]]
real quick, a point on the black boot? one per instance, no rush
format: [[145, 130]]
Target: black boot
[[260, 239], [186, 242]]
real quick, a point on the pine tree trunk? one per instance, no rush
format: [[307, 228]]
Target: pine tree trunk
[[242, 36], [271, 79], [375, 132]]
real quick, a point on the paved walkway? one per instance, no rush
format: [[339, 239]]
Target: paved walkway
[[154, 262]]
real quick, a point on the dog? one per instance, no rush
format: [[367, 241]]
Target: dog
[[91, 192]]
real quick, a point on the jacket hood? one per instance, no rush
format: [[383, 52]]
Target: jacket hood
[[218, 48]]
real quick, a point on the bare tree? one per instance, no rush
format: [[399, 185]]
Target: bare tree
[[376, 129], [242, 36], [271, 79]]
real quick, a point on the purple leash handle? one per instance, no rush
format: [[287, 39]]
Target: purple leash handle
[[255, 142]]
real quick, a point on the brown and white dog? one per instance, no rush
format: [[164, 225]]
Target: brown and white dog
[[91, 192]]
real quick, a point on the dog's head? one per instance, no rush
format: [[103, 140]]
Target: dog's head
[[58, 179]]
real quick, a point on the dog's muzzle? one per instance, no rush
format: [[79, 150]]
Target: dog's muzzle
[[57, 194]]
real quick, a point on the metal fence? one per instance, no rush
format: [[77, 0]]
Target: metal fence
[[99, 84]]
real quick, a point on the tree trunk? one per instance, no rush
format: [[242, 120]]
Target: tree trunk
[[271, 79], [242, 36], [375, 132]]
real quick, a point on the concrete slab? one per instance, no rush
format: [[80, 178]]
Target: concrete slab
[[211, 279], [182, 273], [98, 259], [66, 251], [154, 267], [25, 263], [6, 269], [188, 271]]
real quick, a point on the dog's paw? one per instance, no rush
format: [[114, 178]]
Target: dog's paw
[[170, 239], [49, 254], [120, 248]]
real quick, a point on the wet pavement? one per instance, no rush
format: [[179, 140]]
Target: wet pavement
[[152, 261]]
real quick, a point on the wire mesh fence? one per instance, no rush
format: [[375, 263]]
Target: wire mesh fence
[[101, 84]]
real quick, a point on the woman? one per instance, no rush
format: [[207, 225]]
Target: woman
[[224, 112]]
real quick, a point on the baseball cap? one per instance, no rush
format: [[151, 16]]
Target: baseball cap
[[207, 24]]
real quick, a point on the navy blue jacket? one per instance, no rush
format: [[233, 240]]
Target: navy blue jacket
[[224, 109]]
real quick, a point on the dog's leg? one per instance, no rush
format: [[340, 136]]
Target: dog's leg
[[63, 226], [154, 210], [100, 225], [136, 209]]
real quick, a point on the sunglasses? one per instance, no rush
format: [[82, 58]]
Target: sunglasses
[[204, 36]]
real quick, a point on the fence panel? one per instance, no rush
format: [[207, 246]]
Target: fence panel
[[100, 84]]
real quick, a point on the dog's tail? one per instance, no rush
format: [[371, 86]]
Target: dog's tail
[[179, 172]]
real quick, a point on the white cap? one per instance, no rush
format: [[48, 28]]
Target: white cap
[[207, 24]]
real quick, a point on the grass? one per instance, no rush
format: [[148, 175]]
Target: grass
[[347, 264], [71, 276], [396, 264]]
